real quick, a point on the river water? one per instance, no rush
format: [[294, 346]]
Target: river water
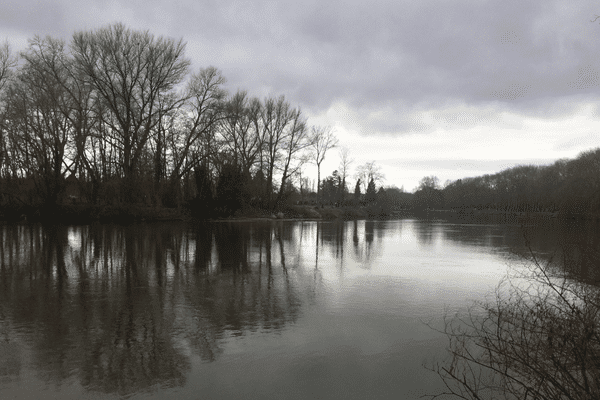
[[263, 309]]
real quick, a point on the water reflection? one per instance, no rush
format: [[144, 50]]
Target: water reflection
[[425, 233], [125, 310], [116, 304], [571, 246]]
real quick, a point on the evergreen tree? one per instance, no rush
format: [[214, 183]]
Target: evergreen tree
[[257, 189], [230, 187], [342, 191], [357, 192], [371, 195], [202, 205], [330, 188]]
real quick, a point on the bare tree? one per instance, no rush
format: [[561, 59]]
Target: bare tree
[[49, 57], [369, 172], [240, 132], [185, 137], [429, 182], [133, 74], [7, 64], [42, 117], [277, 123], [196, 120], [344, 168], [295, 141], [323, 139]]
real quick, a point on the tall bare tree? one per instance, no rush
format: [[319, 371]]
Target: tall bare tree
[[190, 134], [240, 131], [323, 140], [7, 63], [133, 73], [369, 172], [274, 121], [296, 140], [39, 118], [344, 168], [50, 57]]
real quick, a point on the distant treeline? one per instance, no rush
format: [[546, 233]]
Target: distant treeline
[[115, 117], [567, 187]]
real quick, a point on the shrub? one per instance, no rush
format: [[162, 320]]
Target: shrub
[[538, 339]]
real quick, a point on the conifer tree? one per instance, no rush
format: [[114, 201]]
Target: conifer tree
[[357, 192], [371, 194]]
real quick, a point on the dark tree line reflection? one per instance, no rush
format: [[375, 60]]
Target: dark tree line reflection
[[573, 246], [124, 306], [123, 309]]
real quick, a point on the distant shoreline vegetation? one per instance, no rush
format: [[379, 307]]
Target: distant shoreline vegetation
[[113, 126], [566, 188]]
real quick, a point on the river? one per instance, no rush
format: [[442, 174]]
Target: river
[[262, 309]]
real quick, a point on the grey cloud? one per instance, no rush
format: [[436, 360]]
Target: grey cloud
[[417, 60], [474, 53], [587, 77], [423, 118], [38, 17]]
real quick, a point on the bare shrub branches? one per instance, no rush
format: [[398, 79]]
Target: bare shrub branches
[[538, 339]]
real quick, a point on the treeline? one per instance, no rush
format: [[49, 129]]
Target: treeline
[[115, 116], [369, 193], [566, 186]]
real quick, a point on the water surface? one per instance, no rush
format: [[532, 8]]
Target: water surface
[[261, 309]]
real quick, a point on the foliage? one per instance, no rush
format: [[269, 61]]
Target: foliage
[[428, 198], [332, 189], [566, 186], [202, 204], [229, 191], [398, 199], [371, 194], [357, 193], [429, 182]]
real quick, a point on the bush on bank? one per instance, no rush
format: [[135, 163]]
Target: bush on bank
[[539, 338]]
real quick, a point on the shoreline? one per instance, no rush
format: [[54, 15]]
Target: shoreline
[[79, 214]]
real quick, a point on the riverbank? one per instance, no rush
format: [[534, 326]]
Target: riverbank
[[84, 214]]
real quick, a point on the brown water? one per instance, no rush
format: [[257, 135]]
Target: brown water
[[265, 310]]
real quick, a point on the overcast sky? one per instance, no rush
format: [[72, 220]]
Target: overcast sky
[[445, 88]]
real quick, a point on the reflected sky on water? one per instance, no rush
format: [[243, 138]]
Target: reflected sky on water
[[264, 309]]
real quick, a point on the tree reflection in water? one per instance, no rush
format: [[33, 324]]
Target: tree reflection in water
[[119, 308], [128, 309]]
